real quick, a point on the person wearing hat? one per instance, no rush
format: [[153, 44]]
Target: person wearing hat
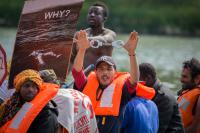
[[108, 89], [28, 109]]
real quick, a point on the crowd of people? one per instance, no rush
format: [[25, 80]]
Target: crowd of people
[[121, 102]]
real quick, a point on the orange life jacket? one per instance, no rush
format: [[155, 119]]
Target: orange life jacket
[[144, 91], [29, 111], [111, 98], [186, 104]]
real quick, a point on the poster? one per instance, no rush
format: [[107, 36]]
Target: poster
[[44, 36], [3, 65]]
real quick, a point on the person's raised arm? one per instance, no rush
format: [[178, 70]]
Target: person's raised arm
[[109, 36], [130, 47], [83, 43], [106, 39]]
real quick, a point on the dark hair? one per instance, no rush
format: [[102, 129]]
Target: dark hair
[[147, 69], [193, 65], [104, 6]]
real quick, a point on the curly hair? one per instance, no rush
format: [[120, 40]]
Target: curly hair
[[147, 69], [104, 6], [194, 66]]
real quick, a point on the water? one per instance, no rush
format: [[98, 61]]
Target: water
[[165, 53], [118, 44]]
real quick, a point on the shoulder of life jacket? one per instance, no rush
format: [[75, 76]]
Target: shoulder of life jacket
[[186, 103], [144, 91], [29, 111]]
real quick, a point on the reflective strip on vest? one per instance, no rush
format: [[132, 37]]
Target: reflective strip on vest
[[20, 115], [183, 104], [107, 96]]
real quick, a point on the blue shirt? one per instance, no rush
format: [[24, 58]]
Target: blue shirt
[[140, 116]]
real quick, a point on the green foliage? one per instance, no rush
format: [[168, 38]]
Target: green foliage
[[10, 12], [146, 16]]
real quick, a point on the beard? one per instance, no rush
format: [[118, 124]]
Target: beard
[[188, 86]]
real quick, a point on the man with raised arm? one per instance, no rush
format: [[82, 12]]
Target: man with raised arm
[[97, 15], [108, 89]]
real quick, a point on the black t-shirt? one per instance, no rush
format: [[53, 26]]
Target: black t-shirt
[[45, 122], [169, 115]]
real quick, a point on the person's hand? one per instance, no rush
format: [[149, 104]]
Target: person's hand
[[131, 44], [97, 41], [82, 40]]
